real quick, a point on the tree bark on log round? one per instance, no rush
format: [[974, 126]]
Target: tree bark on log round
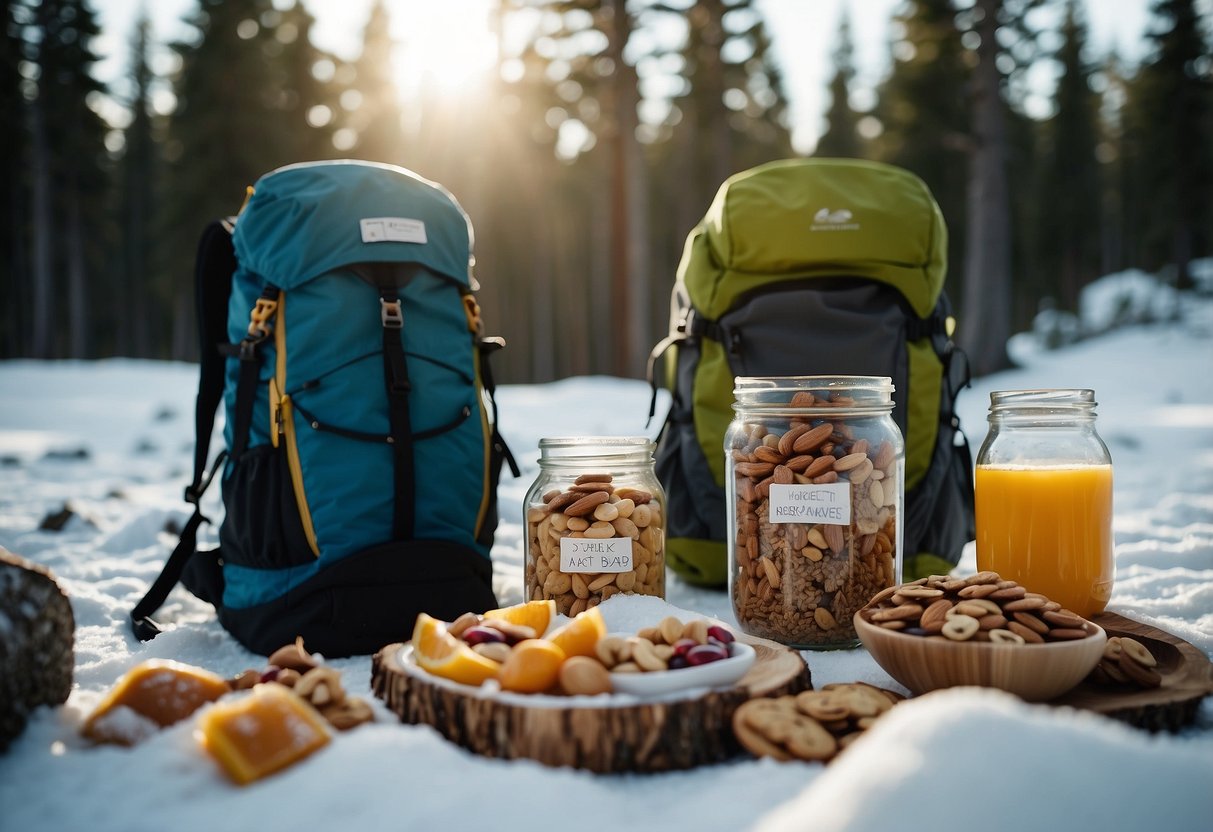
[[641, 737], [37, 632]]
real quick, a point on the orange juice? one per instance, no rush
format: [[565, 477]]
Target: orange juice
[[1050, 529]]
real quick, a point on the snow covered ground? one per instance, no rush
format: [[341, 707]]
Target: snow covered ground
[[112, 441]]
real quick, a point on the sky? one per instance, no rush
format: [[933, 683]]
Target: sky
[[123, 433], [803, 32]]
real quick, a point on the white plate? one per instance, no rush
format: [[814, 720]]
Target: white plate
[[711, 675]]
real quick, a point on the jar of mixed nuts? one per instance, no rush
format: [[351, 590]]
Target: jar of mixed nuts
[[814, 482], [595, 520]]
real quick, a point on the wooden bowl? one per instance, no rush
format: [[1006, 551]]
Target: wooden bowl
[[1034, 672]]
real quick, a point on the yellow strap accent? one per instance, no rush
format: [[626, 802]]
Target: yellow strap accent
[[488, 441], [248, 194], [275, 412], [287, 416]]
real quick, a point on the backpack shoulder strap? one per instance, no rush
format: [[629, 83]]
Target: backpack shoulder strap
[[213, 270]]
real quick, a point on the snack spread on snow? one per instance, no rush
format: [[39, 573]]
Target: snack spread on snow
[[576, 658], [980, 607], [813, 725]]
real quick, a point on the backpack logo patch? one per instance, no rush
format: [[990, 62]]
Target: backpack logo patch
[[392, 230], [837, 220]]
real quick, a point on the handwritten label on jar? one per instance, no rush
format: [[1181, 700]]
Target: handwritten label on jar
[[829, 503], [584, 554]]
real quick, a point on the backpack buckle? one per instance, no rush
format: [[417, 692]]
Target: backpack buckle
[[259, 325], [390, 314]]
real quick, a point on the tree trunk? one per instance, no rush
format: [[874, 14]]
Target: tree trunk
[[42, 314], [629, 252], [986, 323], [77, 281]]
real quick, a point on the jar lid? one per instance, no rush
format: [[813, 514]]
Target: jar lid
[[1048, 398], [855, 393], [595, 447]]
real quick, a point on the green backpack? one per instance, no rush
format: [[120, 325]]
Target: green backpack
[[814, 267]]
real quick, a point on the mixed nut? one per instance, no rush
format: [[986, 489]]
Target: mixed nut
[[293, 667], [594, 540], [980, 607]]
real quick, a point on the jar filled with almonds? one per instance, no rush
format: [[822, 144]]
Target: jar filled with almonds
[[815, 484], [595, 520]]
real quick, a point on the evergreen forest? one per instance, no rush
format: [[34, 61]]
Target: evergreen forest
[[588, 154]]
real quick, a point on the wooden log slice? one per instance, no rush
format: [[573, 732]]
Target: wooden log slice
[[1187, 677], [639, 737]]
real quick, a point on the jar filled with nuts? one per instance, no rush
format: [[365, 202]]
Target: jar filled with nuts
[[814, 481], [595, 521]]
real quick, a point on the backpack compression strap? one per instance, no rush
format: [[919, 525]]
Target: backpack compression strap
[[396, 381], [215, 264]]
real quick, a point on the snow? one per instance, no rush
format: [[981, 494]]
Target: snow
[[113, 440]]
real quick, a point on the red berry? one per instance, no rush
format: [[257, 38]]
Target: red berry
[[270, 673], [706, 653], [683, 645], [721, 634], [482, 635]]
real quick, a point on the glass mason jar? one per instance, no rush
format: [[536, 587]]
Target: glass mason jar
[[595, 522], [1043, 492], [815, 472]]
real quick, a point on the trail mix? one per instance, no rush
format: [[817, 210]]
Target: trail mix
[[801, 583]]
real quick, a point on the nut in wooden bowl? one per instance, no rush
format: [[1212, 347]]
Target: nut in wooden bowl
[[942, 632]]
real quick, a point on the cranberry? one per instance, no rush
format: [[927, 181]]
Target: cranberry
[[483, 635], [678, 662], [683, 645], [270, 674], [706, 653], [721, 634]]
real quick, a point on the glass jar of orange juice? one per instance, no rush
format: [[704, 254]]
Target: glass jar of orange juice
[[1044, 497]]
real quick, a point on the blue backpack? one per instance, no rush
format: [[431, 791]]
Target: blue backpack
[[339, 328]]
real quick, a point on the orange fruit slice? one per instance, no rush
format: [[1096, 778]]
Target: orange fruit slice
[[440, 653], [533, 666], [534, 614], [580, 636]]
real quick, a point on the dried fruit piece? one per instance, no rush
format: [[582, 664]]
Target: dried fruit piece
[[151, 695], [264, 732]]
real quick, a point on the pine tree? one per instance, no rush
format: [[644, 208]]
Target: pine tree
[[377, 119], [987, 293], [923, 109], [69, 177], [235, 120], [841, 136], [139, 174], [596, 35], [1171, 119], [1070, 189]]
